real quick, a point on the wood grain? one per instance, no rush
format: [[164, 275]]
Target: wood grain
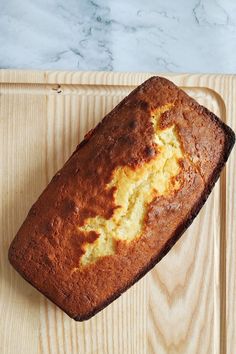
[[186, 303]]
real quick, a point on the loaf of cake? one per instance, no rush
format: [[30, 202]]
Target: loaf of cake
[[122, 200]]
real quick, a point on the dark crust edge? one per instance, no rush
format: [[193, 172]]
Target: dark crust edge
[[229, 143]]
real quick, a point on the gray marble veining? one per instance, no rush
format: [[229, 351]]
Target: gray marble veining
[[122, 35]]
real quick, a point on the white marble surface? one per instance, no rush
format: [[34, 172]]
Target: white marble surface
[[120, 35]]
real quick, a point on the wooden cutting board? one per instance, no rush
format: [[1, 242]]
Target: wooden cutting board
[[186, 304]]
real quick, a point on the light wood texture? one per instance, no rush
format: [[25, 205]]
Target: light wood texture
[[186, 303]]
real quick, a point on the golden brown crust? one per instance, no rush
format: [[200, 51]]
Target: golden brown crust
[[49, 245]]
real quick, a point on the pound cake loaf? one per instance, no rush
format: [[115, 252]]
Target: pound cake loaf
[[123, 198]]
